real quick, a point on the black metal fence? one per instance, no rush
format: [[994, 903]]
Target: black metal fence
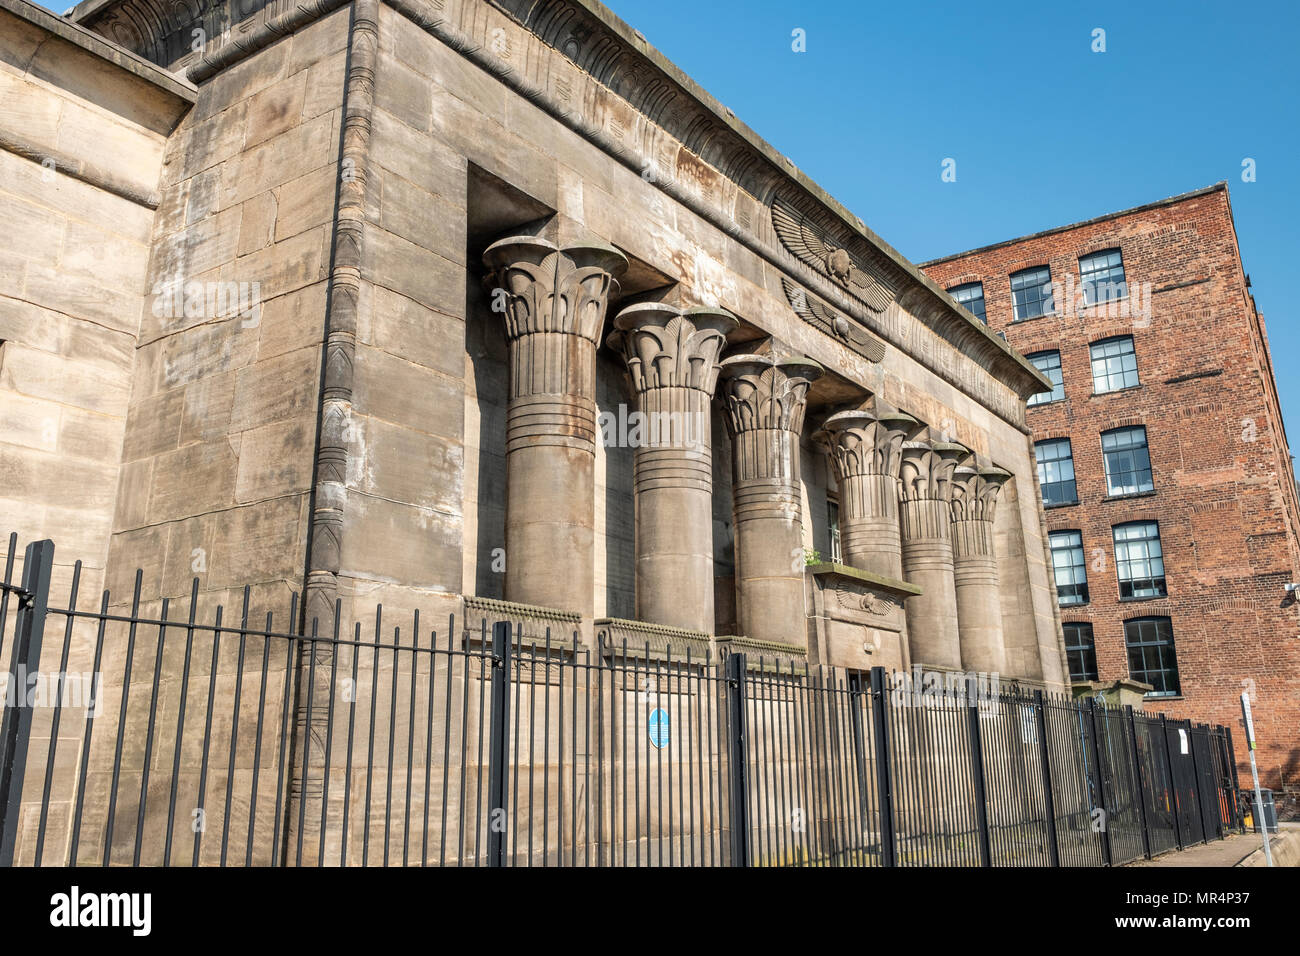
[[193, 739]]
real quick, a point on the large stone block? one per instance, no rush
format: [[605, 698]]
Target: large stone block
[[285, 386], [194, 479], [398, 391], [276, 459]]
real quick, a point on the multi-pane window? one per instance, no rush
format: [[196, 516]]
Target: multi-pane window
[[971, 296], [1031, 292], [1114, 364], [1101, 275], [1126, 460], [1067, 567], [1056, 472], [833, 528], [1049, 363], [1080, 651], [1151, 658], [1138, 559]]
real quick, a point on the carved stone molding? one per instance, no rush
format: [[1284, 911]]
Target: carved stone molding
[[821, 316]]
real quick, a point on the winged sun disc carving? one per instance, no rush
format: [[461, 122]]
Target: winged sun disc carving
[[816, 313], [805, 242]]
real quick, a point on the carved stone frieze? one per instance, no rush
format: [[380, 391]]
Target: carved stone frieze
[[821, 316]]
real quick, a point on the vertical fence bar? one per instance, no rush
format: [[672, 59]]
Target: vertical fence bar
[[1196, 780], [500, 729], [1045, 763], [1140, 785], [978, 783], [739, 760], [1238, 818], [16, 729], [1094, 739], [884, 786], [1173, 784]]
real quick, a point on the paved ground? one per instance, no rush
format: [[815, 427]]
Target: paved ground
[[1227, 852]]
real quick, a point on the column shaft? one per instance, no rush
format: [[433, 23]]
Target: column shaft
[[765, 401], [975, 569], [672, 359], [926, 480], [555, 307]]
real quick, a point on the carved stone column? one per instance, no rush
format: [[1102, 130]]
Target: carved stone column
[[865, 448], [555, 303], [925, 479], [764, 402], [672, 362], [975, 491]]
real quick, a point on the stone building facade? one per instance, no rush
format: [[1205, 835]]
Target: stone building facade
[[486, 309], [1166, 471]]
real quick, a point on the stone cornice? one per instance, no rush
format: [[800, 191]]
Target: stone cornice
[[94, 43], [717, 147]]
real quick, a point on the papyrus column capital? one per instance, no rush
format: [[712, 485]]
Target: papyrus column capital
[[764, 399], [867, 441], [927, 467], [549, 289]]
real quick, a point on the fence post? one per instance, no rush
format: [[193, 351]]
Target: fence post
[[977, 770], [1045, 761], [738, 760], [16, 729], [884, 784], [856, 694], [1173, 784], [1196, 779], [1238, 818], [1101, 783], [1131, 718], [498, 788]]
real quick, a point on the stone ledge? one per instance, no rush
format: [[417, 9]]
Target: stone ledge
[[765, 656], [623, 638], [893, 585], [530, 624]]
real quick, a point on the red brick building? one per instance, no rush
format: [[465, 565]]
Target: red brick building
[[1162, 458]]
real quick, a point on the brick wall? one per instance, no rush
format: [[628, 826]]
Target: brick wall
[[1224, 495]]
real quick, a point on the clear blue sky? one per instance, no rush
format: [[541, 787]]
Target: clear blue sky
[[1044, 131]]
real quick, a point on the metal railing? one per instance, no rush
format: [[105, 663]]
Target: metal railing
[[194, 738]]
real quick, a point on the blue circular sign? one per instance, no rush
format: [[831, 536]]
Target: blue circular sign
[[658, 724]]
